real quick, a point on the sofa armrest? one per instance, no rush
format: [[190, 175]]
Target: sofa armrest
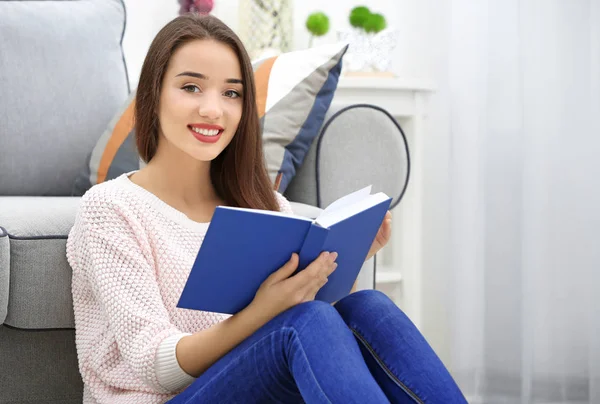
[[359, 145], [4, 273]]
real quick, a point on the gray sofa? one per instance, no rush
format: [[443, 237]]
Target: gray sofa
[[62, 78]]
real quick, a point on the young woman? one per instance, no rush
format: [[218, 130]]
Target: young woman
[[136, 237]]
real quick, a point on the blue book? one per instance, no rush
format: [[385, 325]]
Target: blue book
[[242, 247]]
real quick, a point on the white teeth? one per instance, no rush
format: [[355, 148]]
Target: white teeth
[[206, 132]]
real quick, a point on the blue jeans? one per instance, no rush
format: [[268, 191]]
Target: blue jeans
[[363, 350]]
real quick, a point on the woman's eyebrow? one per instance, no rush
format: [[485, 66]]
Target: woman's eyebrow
[[193, 74], [205, 77]]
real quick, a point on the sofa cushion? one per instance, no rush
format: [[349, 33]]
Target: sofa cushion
[[62, 78], [40, 278], [293, 93]]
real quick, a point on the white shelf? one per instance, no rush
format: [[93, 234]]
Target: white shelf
[[398, 95], [389, 281], [385, 83], [387, 275]]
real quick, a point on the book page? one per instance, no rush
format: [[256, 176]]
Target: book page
[[268, 212], [347, 200], [350, 210]]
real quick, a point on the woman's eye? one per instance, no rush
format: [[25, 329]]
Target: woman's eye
[[191, 88], [232, 94]]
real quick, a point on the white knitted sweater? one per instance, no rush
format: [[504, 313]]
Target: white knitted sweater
[[131, 254]]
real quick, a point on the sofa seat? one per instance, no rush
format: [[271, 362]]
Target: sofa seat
[[33, 259]]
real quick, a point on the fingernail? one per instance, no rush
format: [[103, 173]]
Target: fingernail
[[334, 256], [326, 254]]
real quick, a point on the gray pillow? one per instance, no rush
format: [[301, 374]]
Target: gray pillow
[[62, 77]]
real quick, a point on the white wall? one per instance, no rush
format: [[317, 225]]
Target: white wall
[[413, 56], [144, 19]]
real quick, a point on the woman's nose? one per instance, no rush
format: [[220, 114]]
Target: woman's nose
[[211, 109]]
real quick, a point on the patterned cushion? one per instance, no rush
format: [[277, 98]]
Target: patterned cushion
[[293, 92]]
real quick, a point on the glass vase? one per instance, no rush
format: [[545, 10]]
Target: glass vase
[[266, 26], [369, 52]]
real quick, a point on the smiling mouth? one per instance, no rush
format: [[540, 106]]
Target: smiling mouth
[[206, 135], [206, 132]]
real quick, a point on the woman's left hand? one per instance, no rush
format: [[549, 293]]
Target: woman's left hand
[[383, 235]]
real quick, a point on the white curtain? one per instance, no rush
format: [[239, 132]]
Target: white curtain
[[519, 102]]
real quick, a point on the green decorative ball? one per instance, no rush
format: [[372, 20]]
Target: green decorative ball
[[375, 23], [317, 24], [358, 16]]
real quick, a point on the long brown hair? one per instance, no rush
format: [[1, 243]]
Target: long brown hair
[[238, 174]]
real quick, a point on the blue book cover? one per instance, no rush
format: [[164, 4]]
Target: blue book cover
[[242, 247]]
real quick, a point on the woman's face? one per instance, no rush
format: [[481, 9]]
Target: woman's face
[[201, 99]]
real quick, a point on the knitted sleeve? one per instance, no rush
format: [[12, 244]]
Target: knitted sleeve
[[110, 249], [284, 205]]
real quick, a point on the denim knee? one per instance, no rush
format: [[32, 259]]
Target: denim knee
[[370, 294], [365, 303], [313, 307], [315, 312], [366, 297]]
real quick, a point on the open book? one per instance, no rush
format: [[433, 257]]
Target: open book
[[242, 247]]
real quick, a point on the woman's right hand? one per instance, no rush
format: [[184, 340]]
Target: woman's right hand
[[280, 290]]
